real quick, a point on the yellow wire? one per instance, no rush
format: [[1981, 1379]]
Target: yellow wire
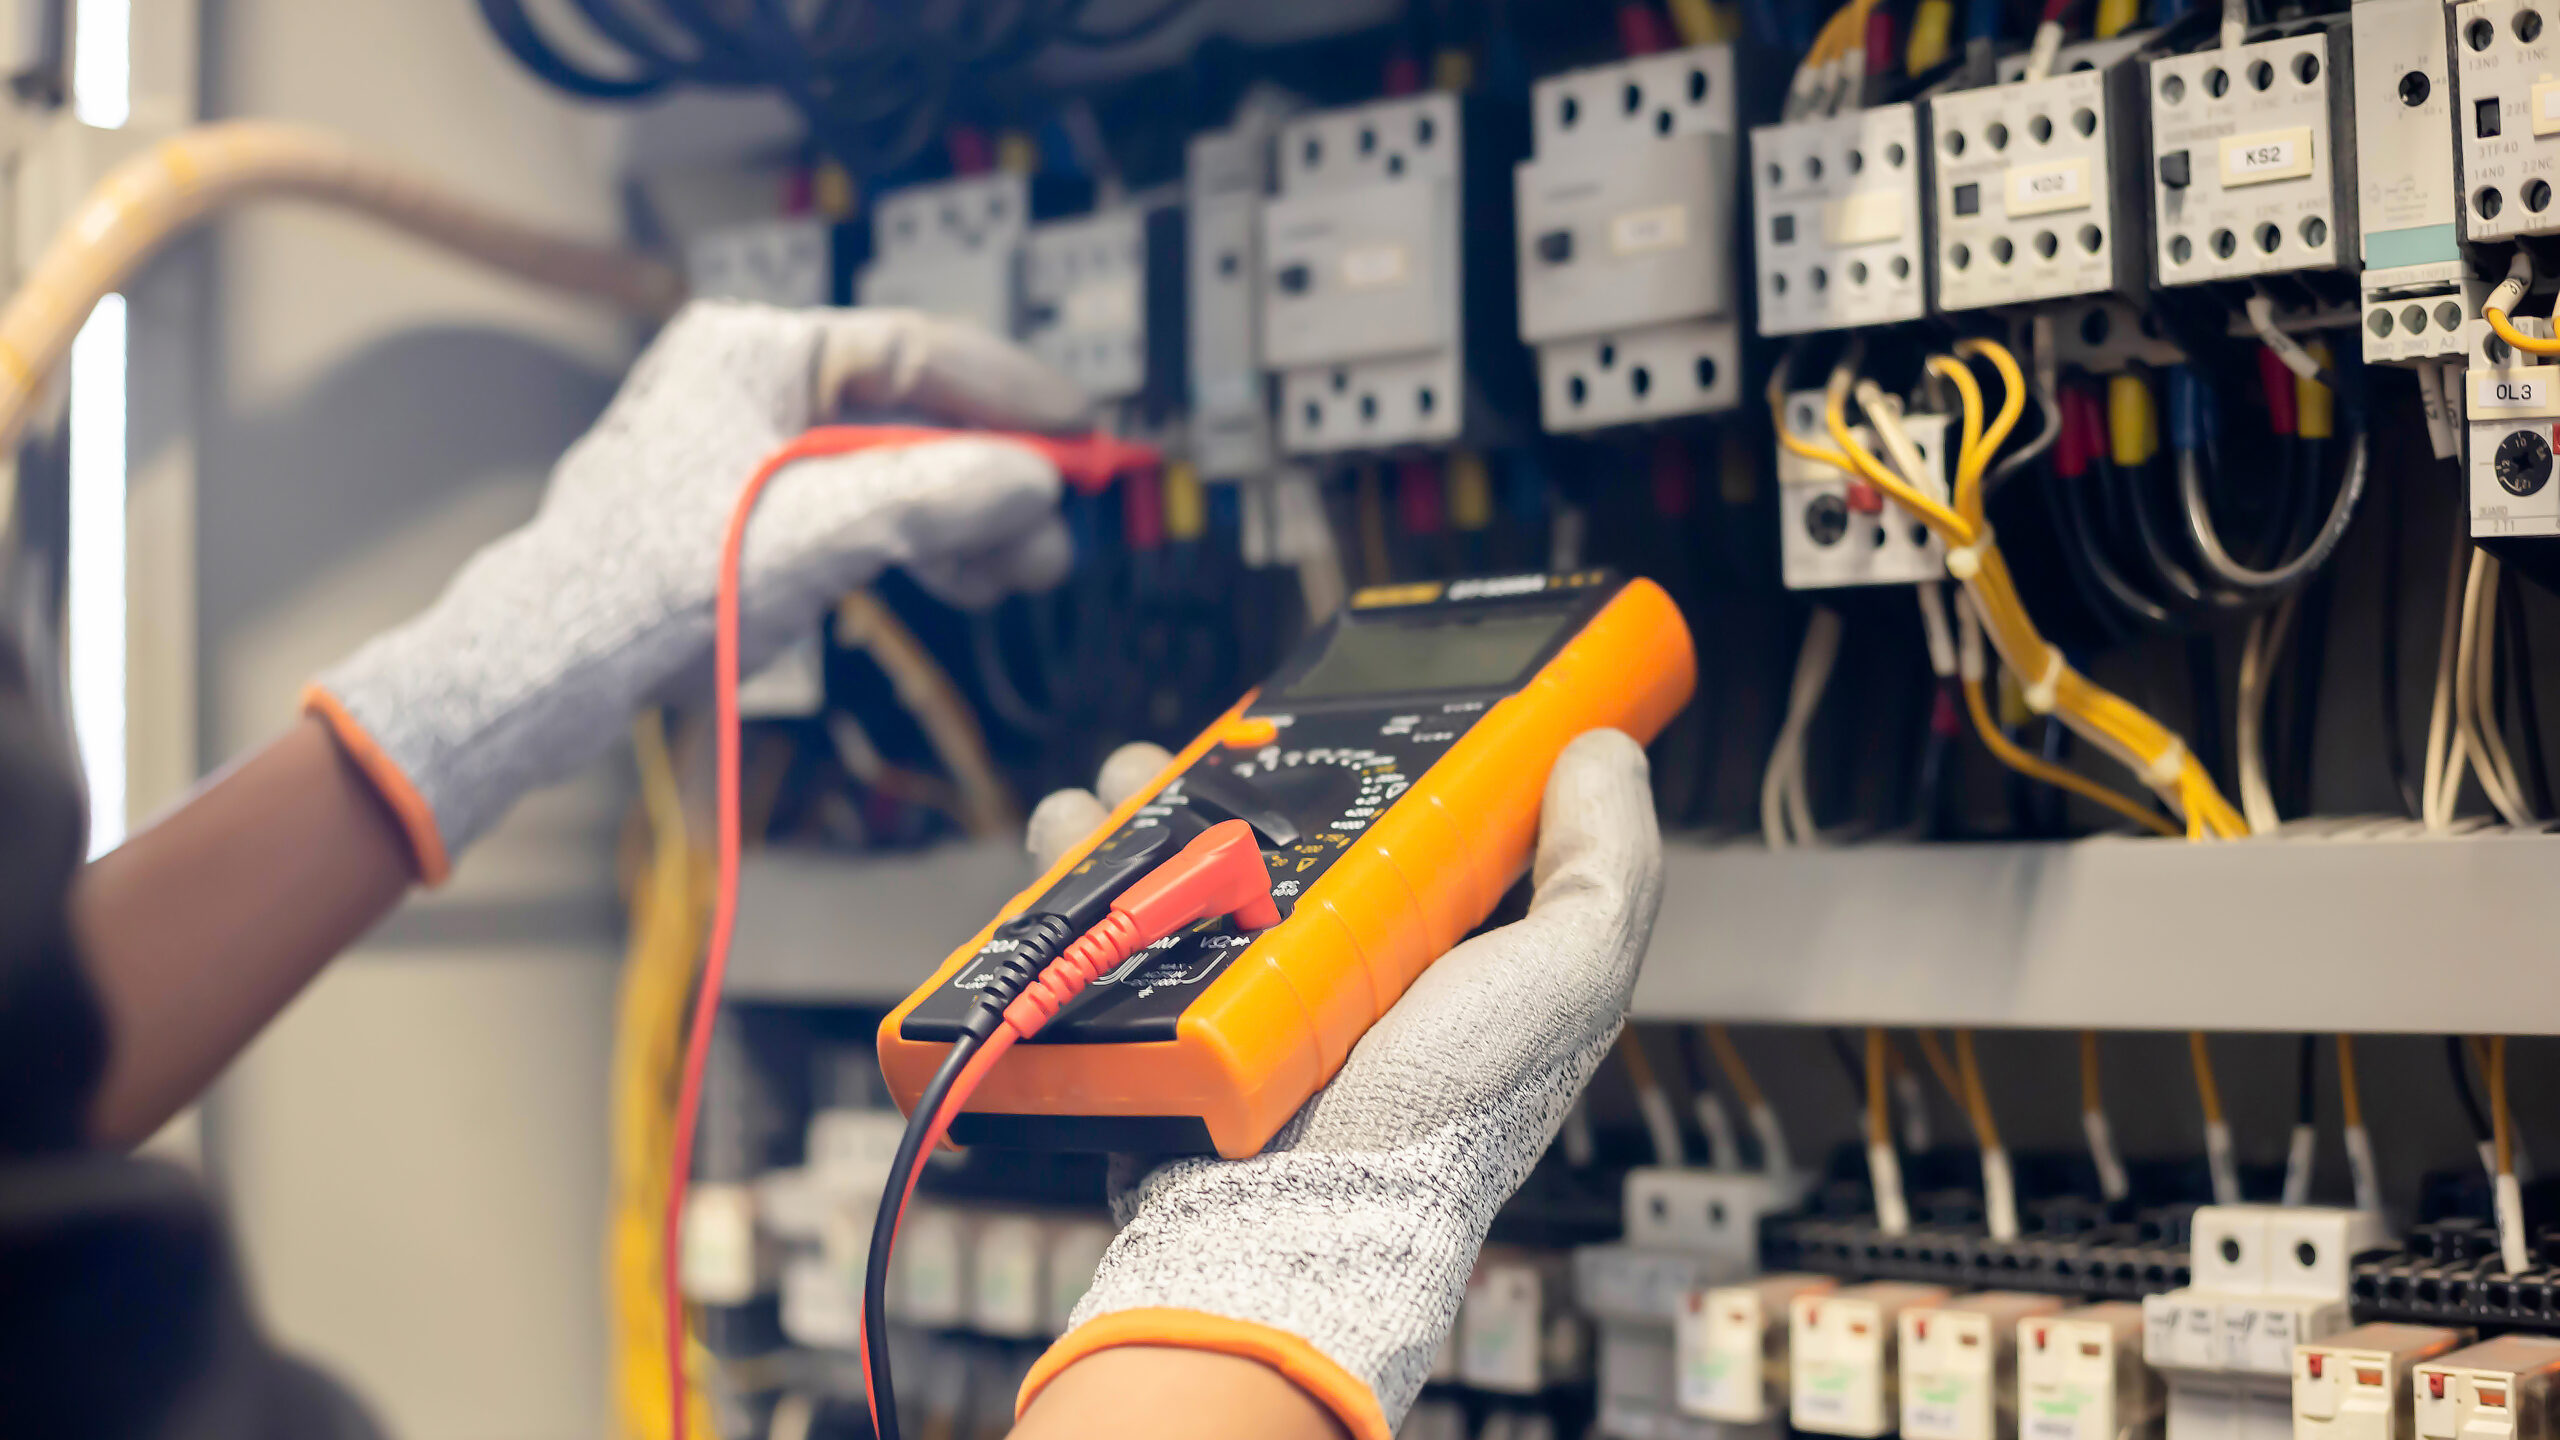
[[1969, 451], [1879, 1115], [667, 920], [2501, 1126], [1940, 1065], [2350, 1101], [1977, 1101], [1788, 440], [2529, 344], [1835, 414], [2207, 1092], [2013, 403], [1639, 1066], [1729, 1059], [2036, 767], [2092, 1098]]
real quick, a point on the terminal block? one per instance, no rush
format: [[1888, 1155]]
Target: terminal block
[[1843, 241], [2355, 1385], [2037, 191], [2081, 1376], [1960, 1365], [1733, 1352], [950, 248], [2114, 1261], [1102, 301], [1843, 1365], [1837, 530], [2450, 1274], [1626, 241], [2251, 168], [2500, 1389], [1227, 173], [2417, 299], [2507, 83], [1380, 227]]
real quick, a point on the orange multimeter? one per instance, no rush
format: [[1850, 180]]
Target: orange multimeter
[[1392, 771]]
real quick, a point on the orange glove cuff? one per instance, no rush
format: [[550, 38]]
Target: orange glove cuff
[[1336, 1389], [417, 820]]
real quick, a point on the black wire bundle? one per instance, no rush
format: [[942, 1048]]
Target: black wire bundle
[[873, 80]]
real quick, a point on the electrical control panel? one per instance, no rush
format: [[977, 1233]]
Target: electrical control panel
[[1836, 530], [2250, 174], [2036, 192], [1841, 236], [951, 248], [1226, 175], [2408, 197], [2510, 413], [2508, 86], [2355, 1385], [1732, 1346], [1960, 1365], [1842, 1361], [2081, 1375], [1626, 241], [2502, 1389], [1363, 300]]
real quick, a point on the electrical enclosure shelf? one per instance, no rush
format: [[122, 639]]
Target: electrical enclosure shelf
[[2278, 935]]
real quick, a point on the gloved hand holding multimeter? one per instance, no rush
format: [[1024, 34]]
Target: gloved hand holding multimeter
[[1389, 783]]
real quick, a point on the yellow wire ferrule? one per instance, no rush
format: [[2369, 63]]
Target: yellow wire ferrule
[[2133, 423]]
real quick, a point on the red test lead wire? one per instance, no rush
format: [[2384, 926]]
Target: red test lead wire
[[1220, 873], [1086, 462]]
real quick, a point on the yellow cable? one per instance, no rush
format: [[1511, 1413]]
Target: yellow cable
[[1835, 414], [668, 914], [2501, 1125], [1977, 1101], [1738, 1074], [2350, 1101], [1788, 440], [2529, 344], [2092, 1098], [2207, 1092], [1969, 450], [1940, 1065], [1879, 1111], [2035, 767], [2013, 403], [926, 691]]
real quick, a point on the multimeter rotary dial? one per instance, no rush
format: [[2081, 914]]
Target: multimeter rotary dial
[[1303, 801]]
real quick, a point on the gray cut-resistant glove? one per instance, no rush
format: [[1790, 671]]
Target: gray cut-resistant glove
[[529, 665], [1340, 1253]]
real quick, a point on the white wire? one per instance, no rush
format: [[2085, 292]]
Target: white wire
[[2442, 778], [2267, 635], [1933, 625], [1786, 814], [2489, 734], [2471, 681]]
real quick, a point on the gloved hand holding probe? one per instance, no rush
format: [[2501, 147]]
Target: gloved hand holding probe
[[1337, 1257]]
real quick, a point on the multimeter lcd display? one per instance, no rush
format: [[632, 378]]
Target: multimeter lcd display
[[1445, 653]]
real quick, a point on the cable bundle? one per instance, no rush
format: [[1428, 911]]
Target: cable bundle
[[873, 81]]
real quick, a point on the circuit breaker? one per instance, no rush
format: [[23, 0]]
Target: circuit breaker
[[1626, 241], [2507, 83], [2081, 1376], [1102, 299], [2417, 300], [1842, 239], [2250, 172], [1227, 173], [1842, 1362], [2266, 1278], [2502, 1389], [1960, 1365], [1367, 249], [2355, 1385], [2036, 192], [1836, 530], [2510, 413], [950, 248]]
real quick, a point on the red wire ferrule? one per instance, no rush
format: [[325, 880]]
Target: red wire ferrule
[[2276, 378], [1219, 873]]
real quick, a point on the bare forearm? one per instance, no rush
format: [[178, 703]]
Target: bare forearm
[[199, 929], [1144, 1392]]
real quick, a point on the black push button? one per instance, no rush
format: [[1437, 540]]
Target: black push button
[[1968, 198], [2176, 170], [2484, 118], [1556, 246], [1294, 279]]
